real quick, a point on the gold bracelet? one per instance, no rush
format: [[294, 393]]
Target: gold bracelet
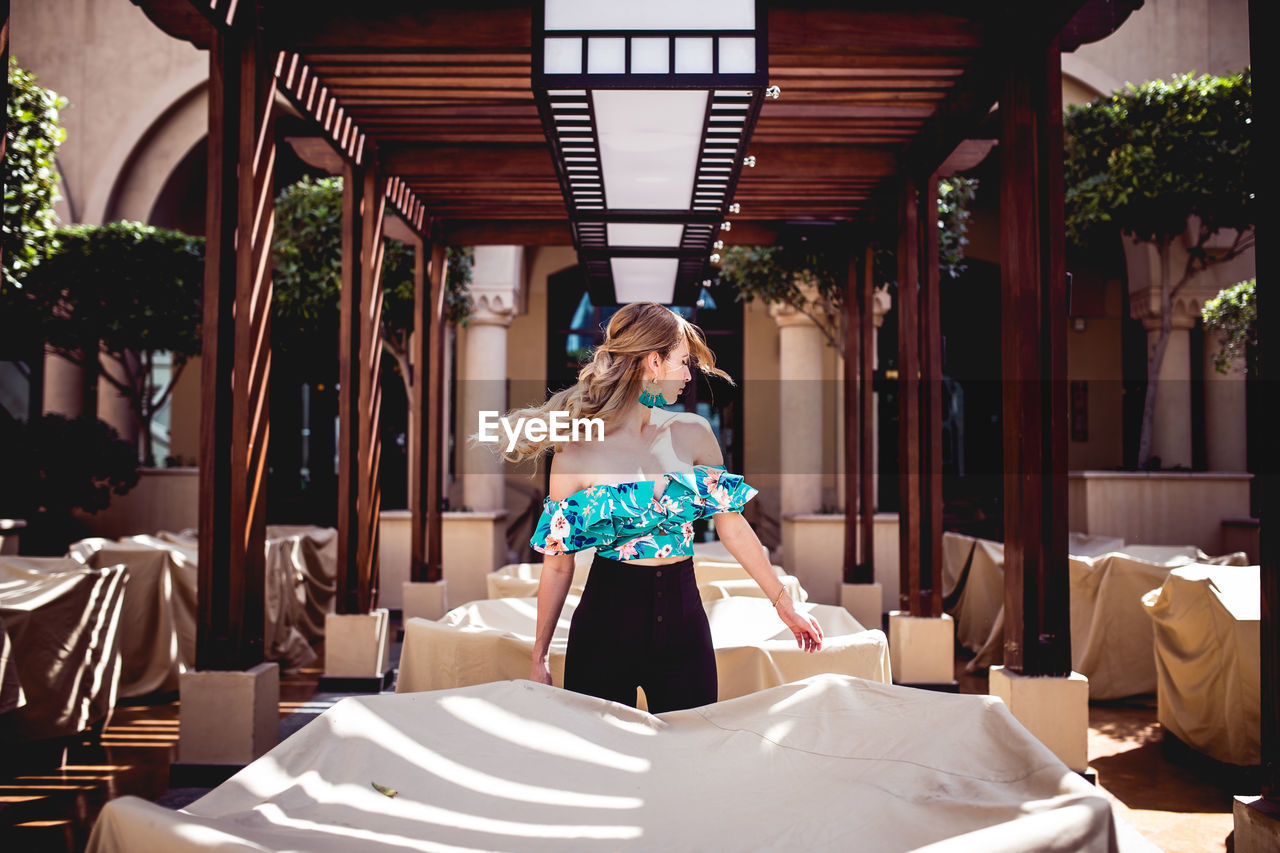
[[779, 598]]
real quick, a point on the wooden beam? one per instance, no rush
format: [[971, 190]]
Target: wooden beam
[[236, 361], [930, 404], [795, 162], [866, 419], [402, 25], [435, 413], [1033, 354], [853, 427], [910, 531], [419, 413], [372, 247], [1267, 81], [349, 378]]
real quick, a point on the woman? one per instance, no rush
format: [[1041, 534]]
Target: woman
[[634, 496]]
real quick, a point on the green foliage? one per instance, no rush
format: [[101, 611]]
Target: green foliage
[[61, 465], [32, 136], [955, 198], [308, 270], [134, 287], [1143, 159], [1233, 313], [810, 275]]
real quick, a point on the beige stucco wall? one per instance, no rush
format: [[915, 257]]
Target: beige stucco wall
[[122, 76], [1167, 37], [1094, 356]]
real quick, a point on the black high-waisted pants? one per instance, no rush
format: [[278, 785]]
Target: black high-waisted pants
[[642, 626]]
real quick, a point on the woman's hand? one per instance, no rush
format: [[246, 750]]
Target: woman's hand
[[540, 672], [807, 631]]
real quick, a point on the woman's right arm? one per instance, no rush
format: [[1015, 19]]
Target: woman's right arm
[[553, 584]]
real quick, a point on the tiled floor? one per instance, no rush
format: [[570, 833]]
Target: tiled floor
[[1176, 807]]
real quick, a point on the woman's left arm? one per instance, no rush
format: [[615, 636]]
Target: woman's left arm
[[736, 534]]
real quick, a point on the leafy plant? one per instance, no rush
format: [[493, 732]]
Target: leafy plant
[[126, 290], [810, 274], [308, 273], [68, 464], [33, 132], [1156, 162], [1234, 314]]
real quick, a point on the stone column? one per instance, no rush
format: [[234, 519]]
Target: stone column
[[1224, 411], [1171, 421], [113, 407], [496, 282], [63, 386], [881, 302], [800, 403]]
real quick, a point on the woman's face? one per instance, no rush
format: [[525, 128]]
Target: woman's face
[[674, 372]]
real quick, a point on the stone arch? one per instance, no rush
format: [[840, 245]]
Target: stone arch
[[149, 145], [1086, 78]]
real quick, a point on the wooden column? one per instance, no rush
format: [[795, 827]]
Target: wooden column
[[435, 380], [857, 426], [930, 405], [419, 413], [1266, 80], [236, 362], [1033, 354], [866, 420], [910, 532], [360, 392]]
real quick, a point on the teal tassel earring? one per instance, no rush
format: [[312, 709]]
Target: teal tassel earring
[[651, 396]]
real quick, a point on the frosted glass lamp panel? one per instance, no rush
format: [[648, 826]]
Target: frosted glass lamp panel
[[737, 56], [562, 56], [649, 146], [644, 279], [644, 234], [650, 56], [606, 56], [693, 56], [650, 15]]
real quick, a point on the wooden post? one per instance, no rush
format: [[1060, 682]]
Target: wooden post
[[1033, 352], [435, 414], [858, 566], [360, 392], [930, 406], [852, 427], [419, 413], [910, 531], [866, 423], [236, 362], [1265, 80]]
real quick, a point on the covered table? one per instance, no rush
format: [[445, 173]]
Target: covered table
[[61, 623], [158, 622], [1111, 642], [493, 640], [830, 763], [1207, 657], [715, 579]]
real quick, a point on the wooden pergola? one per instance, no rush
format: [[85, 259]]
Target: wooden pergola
[[430, 109]]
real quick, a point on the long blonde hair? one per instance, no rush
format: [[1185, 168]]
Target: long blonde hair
[[610, 382]]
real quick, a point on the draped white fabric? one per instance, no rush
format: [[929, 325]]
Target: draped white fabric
[[829, 763], [61, 622], [493, 640], [715, 579], [1207, 659]]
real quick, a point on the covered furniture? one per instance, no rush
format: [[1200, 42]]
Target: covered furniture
[[158, 624], [716, 579], [829, 763], [1111, 643], [61, 623], [1207, 657], [493, 640]]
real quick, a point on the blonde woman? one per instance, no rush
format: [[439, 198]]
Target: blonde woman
[[634, 496]]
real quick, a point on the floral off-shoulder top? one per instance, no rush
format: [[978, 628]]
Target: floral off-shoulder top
[[626, 522]]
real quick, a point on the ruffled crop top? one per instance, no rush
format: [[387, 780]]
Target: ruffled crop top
[[626, 522]]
